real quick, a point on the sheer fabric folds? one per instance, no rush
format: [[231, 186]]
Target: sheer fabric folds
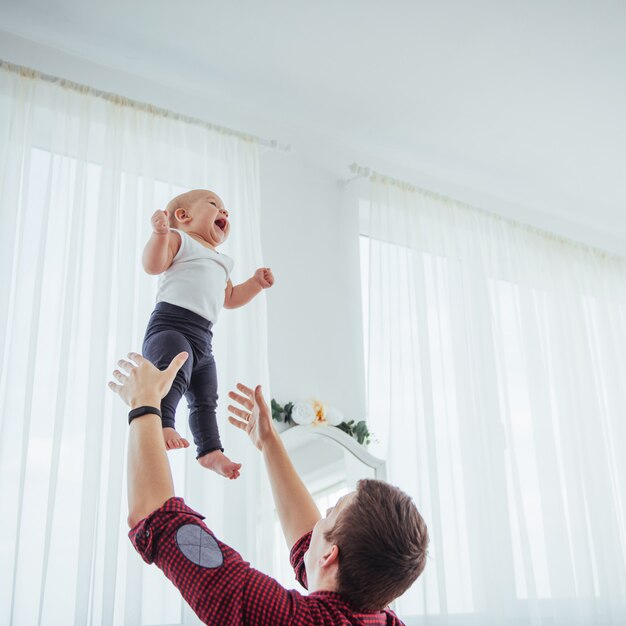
[[496, 361], [80, 176]]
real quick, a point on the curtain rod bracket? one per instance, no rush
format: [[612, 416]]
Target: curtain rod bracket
[[358, 171]]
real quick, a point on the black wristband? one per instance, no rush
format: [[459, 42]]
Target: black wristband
[[143, 410]]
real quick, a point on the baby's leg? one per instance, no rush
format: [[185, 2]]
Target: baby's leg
[[202, 398], [160, 348]]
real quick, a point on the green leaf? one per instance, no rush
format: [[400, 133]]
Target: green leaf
[[343, 426], [278, 412], [288, 410]]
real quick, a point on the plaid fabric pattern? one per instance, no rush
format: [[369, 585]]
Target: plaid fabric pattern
[[225, 590]]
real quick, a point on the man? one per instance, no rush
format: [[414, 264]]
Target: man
[[367, 551]]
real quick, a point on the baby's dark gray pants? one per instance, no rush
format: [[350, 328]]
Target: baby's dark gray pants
[[171, 330]]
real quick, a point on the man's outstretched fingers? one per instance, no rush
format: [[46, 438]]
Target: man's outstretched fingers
[[239, 413], [245, 390], [125, 365], [241, 399], [237, 423]]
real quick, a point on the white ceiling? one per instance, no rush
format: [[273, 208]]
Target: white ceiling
[[522, 100]]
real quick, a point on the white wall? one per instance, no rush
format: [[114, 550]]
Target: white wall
[[310, 238]]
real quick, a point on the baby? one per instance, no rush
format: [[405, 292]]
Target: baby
[[194, 284]]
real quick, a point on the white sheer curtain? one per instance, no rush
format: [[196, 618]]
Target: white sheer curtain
[[80, 175], [496, 361]]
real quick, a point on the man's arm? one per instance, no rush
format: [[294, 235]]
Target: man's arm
[[216, 582], [296, 509], [150, 482], [236, 296]]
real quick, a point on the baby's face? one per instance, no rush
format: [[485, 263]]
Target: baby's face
[[209, 217]]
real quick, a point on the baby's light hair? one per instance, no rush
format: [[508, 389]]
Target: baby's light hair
[[182, 201]]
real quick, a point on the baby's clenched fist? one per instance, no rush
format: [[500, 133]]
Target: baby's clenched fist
[[160, 222], [264, 277]]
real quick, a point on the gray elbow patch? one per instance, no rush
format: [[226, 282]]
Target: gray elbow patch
[[199, 546]]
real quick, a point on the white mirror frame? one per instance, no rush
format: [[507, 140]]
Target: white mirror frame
[[294, 434]]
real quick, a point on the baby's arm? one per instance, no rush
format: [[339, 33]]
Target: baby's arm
[[236, 296], [162, 245]]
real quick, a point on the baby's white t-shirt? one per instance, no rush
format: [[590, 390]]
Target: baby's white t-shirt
[[197, 278]]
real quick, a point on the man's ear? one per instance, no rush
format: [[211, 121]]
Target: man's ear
[[181, 215], [330, 557]]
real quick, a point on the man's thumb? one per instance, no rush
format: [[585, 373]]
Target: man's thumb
[[177, 363], [258, 396]]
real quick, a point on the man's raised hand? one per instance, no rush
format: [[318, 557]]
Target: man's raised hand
[[253, 415], [139, 383]]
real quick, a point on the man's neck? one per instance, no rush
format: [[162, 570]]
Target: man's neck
[[327, 582]]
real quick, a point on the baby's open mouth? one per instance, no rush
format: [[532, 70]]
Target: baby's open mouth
[[221, 223]]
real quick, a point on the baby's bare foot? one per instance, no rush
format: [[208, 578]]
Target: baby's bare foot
[[173, 440], [220, 463]]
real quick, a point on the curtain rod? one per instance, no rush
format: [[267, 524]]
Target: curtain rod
[[358, 171], [27, 72], [365, 172]]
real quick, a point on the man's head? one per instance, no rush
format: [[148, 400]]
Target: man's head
[[370, 547], [200, 212]]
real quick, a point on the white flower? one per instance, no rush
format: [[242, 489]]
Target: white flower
[[302, 413], [334, 416]]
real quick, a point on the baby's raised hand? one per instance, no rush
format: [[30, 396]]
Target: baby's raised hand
[[160, 222], [264, 277]]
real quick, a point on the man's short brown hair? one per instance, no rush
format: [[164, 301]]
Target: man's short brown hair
[[382, 541]]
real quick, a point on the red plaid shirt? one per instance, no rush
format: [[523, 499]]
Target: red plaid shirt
[[223, 589]]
